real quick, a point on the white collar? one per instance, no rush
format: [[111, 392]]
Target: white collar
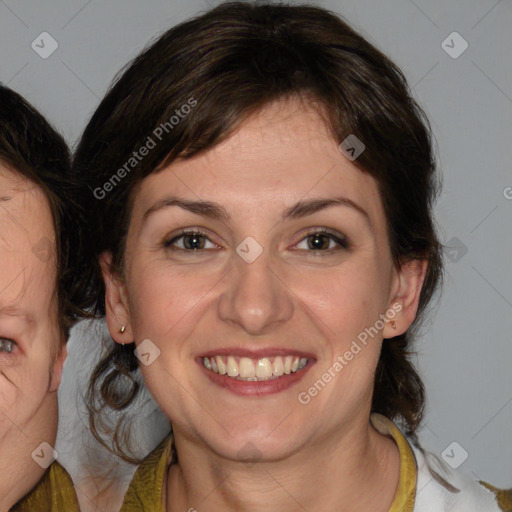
[[432, 496]]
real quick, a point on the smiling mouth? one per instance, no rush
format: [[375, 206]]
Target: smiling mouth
[[254, 370]]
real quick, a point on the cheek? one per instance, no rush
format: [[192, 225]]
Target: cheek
[[346, 300], [159, 298], [24, 385], [346, 306]]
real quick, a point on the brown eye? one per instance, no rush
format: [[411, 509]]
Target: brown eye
[[318, 241], [322, 241], [193, 241], [190, 241]]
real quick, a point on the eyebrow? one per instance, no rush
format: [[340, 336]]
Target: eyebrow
[[298, 210], [16, 311]]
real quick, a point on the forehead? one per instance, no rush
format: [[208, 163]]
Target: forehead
[[27, 241], [280, 154], [23, 205]]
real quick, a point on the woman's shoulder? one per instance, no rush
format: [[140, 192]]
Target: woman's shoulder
[[54, 492], [436, 486], [441, 488], [146, 489]]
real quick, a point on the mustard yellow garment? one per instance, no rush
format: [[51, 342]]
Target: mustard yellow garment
[[503, 496], [406, 490], [147, 493], [53, 493]]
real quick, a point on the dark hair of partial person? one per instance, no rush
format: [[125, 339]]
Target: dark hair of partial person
[[33, 149], [232, 61]]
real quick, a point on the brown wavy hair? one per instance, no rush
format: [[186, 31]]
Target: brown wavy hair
[[231, 61]]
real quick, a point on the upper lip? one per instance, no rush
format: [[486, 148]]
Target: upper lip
[[259, 353]]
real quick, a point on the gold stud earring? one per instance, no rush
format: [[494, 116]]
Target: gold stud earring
[[123, 328]]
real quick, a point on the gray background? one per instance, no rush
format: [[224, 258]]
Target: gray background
[[465, 354]]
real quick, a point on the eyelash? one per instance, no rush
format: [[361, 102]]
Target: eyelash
[[341, 240]]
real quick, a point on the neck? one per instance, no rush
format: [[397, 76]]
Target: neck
[[20, 473], [355, 470]]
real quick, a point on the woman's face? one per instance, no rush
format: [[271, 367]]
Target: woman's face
[[29, 332], [261, 295]]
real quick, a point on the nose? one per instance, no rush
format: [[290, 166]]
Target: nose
[[256, 297]]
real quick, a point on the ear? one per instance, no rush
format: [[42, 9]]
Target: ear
[[116, 303], [407, 284], [58, 365]]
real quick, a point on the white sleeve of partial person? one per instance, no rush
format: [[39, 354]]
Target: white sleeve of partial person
[[432, 496]]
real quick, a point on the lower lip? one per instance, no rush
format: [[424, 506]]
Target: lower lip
[[256, 388]]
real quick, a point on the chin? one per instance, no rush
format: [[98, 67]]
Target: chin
[[256, 443]]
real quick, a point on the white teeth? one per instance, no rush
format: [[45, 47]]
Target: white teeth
[[264, 369], [278, 366], [247, 368], [288, 365], [255, 370], [232, 367], [220, 364]]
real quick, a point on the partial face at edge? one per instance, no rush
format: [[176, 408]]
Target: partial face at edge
[[303, 295], [29, 331]]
